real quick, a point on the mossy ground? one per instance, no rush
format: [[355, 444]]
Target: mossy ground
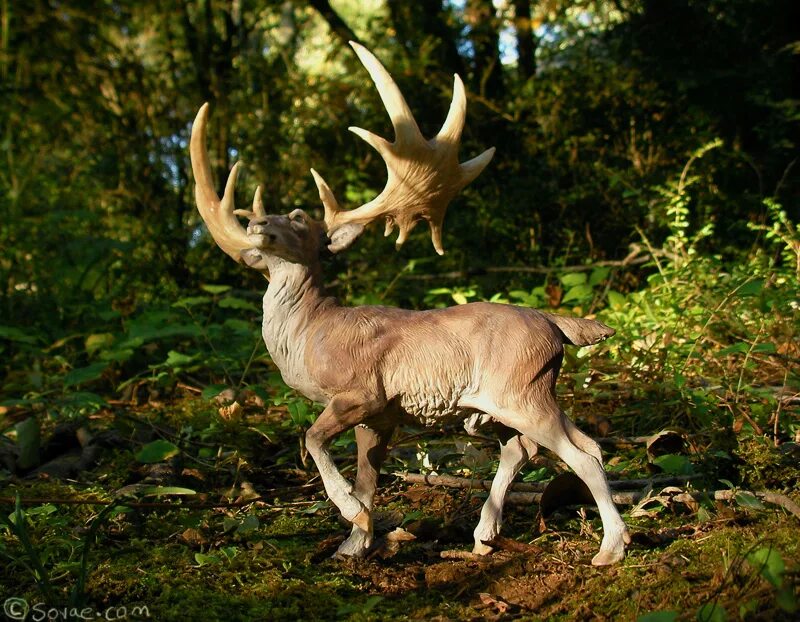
[[220, 564]]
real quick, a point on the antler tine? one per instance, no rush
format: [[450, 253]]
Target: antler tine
[[456, 115], [405, 127], [474, 167], [423, 176], [217, 213], [329, 201]]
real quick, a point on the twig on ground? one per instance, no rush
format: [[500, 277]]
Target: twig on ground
[[528, 493], [451, 481]]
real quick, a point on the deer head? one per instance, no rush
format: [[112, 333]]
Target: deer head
[[423, 177]]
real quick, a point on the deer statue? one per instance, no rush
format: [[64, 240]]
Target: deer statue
[[375, 367]]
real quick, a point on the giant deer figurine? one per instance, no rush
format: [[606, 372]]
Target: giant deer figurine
[[375, 367]]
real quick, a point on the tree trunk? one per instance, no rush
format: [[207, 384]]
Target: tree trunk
[[426, 22], [483, 35], [335, 22], [526, 40]]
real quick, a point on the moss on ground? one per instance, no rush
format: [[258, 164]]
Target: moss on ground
[[271, 560]]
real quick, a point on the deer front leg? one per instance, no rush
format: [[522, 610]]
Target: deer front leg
[[343, 412], [371, 454]]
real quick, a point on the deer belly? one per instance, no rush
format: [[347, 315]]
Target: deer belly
[[433, 407]]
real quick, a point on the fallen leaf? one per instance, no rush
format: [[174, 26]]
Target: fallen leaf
[[488, 599], [665, 442], [230, 412]]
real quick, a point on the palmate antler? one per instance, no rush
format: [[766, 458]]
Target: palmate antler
[[423, 175]]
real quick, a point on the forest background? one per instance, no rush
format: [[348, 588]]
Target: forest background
[[646, 173]]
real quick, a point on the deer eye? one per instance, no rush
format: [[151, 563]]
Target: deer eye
[[298, 218]]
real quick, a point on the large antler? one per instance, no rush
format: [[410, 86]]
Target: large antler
[[423, 175], [219, 215]]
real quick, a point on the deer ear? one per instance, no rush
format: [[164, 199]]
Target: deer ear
[[342, 237]]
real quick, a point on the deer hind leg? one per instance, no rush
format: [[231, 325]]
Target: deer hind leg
[[371, 454], [343, 412], [515, 451], [550, 427]]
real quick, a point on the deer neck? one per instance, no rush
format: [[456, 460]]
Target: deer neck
[[293, 299]]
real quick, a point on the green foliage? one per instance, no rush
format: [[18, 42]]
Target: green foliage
[[157, 451], [662, 133]]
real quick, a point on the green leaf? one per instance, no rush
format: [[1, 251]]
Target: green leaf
[[146, 331], [229, 551], [248, 524], [749, 500], [537, 475], [83, 400], [157, 451], [202, 559], [28, 441], [577, 293], [177, 359], [711, 612], [767, 348], [158, 491], [215, 289], [116, 355], [82, 375], [615, 299], [239, 326], [674, 464], [769, 563], [212, 390], [237, 303], [599, 275], [571, 279], [658, 616], [751, 288], [316, 507], [192, 301], [98, 341], [459, 298], [740, 348], [786, 599], [15, 334], [44, 510]]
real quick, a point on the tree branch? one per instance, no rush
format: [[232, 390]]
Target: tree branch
[[335, 22]]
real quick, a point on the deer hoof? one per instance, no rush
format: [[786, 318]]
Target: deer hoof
[[606, 558], [482, 549], [357, 545]]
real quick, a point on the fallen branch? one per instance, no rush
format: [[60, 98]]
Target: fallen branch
[[451, 481], [530, 493]]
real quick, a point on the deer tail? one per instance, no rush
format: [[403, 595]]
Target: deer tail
[[580, 331]]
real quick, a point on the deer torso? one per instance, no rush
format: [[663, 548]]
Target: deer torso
[[429, 363]]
